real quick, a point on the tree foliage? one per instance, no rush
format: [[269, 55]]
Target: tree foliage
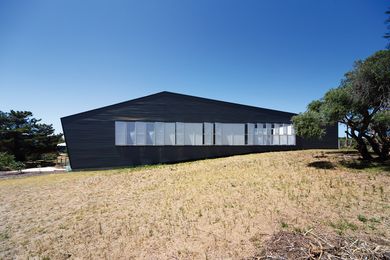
[[24, 137], [361, 102], [7, 162]]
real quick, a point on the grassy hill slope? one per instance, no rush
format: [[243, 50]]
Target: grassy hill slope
[[215, 208]]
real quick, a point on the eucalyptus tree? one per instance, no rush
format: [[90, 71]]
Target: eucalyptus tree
[[361, 102]]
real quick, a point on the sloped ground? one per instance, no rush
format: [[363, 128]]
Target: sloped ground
[[210, 209]]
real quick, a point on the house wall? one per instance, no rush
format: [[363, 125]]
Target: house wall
[[90, 136]]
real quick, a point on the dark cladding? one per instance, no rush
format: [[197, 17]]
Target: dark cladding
[[91, 136]]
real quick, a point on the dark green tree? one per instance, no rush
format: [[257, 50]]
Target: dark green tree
[[361, 102], [24, 137]]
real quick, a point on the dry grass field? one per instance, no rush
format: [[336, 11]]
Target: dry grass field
[[209, 209]]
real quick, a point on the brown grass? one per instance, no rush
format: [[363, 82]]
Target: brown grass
[[220, 208]]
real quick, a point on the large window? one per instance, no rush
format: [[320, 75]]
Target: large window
[[179, 133]]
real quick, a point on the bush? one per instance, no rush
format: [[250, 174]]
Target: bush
[[49, 157], [7, 163]]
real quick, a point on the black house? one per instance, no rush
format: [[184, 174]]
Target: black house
[[168, 127]]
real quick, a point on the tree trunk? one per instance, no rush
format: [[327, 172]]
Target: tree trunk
[[385, 152], [362, 148], [361, 145], [376, 147], [385, 143]]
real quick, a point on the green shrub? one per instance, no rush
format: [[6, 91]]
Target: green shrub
[[7, 163], [362, 218], [49, 156]]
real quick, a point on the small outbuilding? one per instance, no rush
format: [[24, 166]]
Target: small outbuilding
[[168, 127]]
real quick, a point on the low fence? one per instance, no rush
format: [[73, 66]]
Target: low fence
[[346, 143]]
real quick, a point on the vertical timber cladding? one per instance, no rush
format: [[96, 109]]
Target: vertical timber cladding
[[90, 136]]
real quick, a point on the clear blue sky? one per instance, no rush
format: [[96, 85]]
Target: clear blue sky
[[63, 57]]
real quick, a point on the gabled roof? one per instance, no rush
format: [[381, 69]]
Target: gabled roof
[[172, 95]]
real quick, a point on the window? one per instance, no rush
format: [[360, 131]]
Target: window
[[268, 134], [275, 134], [140, 131], [120, 133], [238, 134], [179, 133], [218, 133], [259, 134], [233, 134], [250, 134], [290, 130], [291, 139], [130, 133], [227, 134], [193, 134], [290, 135], [208, 132], [159, 133], [283, 139], [169, 133], [150, 134], [283, 134], [281, 128]]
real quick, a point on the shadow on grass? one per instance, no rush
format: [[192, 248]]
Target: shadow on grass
[[367, 165], [344, 151], [351, 159], [322, 165]]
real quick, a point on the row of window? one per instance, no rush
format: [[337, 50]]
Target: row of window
[[177, 133]]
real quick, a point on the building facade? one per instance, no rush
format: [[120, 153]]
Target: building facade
[[168, 127]]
